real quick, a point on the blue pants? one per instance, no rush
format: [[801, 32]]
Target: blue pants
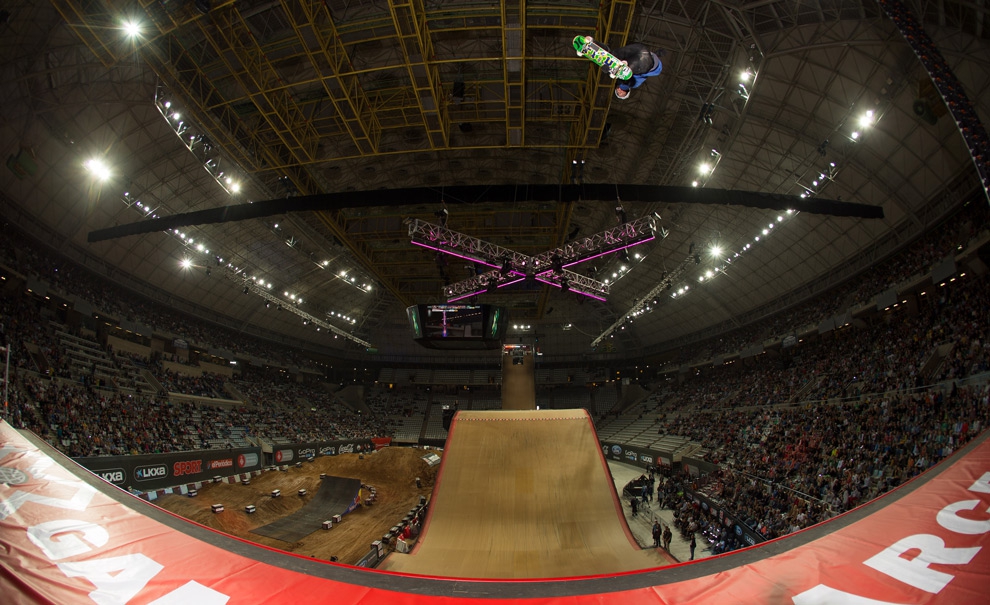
[[638, 79]]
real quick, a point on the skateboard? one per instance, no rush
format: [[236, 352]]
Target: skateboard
[[585, 46]]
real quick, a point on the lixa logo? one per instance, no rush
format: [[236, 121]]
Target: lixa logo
[[112, 475], [146, 473]]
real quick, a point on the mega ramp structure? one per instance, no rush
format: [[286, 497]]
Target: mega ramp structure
[[336, 496], [524, 494]]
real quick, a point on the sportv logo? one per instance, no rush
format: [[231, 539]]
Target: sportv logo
[[145, 473], [188, 467], [646, 459], [112, 475], [225, 463]]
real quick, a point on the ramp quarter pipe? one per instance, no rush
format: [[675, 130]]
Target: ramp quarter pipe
[[524, 494]]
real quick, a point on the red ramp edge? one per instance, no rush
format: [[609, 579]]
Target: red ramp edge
[[66, 537]]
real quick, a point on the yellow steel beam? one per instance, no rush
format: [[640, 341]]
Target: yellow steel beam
[[255, 73], [409, 18], [314, 26], [514, 51], [91, 28]]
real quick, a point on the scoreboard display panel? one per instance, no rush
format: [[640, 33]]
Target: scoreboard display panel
[[452, 326]]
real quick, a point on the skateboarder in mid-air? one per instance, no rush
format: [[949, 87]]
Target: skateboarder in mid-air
[[644, 63]]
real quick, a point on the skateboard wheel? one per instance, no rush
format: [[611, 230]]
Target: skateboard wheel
[[578, 54]]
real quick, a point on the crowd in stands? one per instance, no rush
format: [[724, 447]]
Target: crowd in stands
[[784, 470], [866, 419], [947, 239], [205, 385]]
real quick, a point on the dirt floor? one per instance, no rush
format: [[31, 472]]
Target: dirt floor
[[392, 471]]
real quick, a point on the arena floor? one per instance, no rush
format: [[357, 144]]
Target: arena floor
[[392, 471]]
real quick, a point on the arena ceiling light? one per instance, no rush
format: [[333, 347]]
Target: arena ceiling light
[[131, 28], [98, 169]]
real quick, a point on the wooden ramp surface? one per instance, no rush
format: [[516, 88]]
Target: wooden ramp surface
[[523, 494]]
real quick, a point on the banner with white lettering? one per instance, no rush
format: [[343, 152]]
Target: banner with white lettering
[[65, 540], [153, 471]]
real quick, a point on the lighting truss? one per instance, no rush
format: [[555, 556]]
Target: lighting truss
[[617, 238], [442, 239], [665, 284], [198, 143], [263, 293], [514, 267], [479, 284]]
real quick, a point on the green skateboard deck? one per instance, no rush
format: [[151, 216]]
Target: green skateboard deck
[[585, 46]]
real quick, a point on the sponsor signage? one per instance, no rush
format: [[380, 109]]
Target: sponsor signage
[[155, 471], [150, 472], [634, 455], [113, 475], [248, 460], [187, 467], [303, 451]]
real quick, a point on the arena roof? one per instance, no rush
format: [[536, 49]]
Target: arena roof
[[331, 97]]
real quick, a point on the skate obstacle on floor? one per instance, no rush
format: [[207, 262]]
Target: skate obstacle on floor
[[336, 496]]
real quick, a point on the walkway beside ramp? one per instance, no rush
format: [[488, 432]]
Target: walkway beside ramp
[[336, 496], [523, 494]]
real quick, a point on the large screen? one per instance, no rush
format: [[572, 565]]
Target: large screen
[[451, 326]]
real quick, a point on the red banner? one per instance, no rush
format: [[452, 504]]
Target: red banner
[[64, 541], [381, 442]]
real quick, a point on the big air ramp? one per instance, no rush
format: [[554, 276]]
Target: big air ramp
[[524, 494], [336, 496]]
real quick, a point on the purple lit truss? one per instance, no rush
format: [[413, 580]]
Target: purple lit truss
[[511, 267]]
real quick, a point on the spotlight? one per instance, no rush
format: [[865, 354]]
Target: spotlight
[[185, 263], [245, 290], [132, 29], [98, 169], [268, 305], [697, 259]]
